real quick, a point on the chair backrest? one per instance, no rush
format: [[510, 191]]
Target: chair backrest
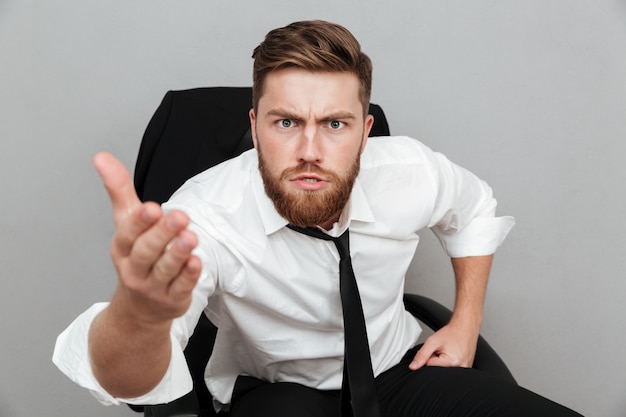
[[193, 130]]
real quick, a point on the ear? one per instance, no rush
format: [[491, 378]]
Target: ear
[[367, 127], [253, 127]]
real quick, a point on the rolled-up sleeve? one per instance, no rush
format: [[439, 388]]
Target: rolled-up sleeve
[[71, 356], [464, 218], [480, 237]]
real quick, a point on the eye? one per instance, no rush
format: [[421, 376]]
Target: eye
[[335, 124], [285, 123]]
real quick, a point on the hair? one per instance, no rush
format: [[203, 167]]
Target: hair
[[313, 45]]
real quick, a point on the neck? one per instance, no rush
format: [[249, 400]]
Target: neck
[[327, 225]]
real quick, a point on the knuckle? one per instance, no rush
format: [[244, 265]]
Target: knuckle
[[168, 266], [142, 255], [186, 283], [134, 286], [120, 244], [130, 281], [161, 270]]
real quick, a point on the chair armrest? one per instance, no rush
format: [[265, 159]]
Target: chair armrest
[[435, 316], [186, 406]]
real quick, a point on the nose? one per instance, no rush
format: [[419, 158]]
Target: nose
[[310, 149]]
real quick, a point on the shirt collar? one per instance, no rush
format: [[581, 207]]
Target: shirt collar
[[272, 221], [357, 209]]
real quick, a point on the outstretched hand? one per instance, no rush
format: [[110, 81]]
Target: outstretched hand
[[448, 347], [151, 251]]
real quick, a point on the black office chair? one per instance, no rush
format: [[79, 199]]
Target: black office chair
[[193, 130]]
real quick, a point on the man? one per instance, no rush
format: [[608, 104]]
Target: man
[[225, 245]]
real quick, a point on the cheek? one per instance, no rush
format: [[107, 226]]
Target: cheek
[[346, 157], [272, 158]]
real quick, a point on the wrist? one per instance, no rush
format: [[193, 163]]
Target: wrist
[[134, 316], [468, 321]]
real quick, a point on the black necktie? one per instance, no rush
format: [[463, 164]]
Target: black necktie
[[358, 378]]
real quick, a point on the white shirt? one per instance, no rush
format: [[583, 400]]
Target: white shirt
[[274, 293]]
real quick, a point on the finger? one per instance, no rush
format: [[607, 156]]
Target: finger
[[448, 361], [152, 243], [423, 355], [440, 360], [129, 229], [118, 183], [172, 262], [429, 349], [184, 284]]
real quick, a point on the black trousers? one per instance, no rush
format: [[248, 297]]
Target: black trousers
[[429, 391]]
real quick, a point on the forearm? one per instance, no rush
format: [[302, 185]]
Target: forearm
[[455, 343], [128, 357], [471, 275]]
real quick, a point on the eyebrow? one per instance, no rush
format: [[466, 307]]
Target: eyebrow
[[339, 115]]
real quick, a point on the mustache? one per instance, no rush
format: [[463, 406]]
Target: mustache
[[310, 168]]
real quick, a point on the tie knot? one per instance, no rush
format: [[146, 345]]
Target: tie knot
[[342, 242]]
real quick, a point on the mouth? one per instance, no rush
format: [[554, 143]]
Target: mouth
[[308, 178], [310, 182]]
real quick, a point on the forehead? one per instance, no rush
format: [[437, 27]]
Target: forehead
[[308, 92]]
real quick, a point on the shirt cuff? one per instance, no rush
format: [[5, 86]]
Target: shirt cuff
[[71, 356], [480, 237]]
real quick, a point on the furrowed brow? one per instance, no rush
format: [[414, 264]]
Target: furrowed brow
[[286, 114], [340, 115], [283, 114]]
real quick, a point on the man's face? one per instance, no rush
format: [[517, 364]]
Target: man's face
[[309, 132]]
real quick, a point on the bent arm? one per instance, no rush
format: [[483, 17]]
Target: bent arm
[[465, 223]]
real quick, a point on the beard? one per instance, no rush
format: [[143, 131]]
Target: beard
[[305, 208]]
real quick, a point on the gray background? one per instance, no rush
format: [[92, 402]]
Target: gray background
[[531, 95]]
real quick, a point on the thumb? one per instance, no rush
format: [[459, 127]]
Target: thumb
[[439, 360], [118, 183], [423, 355]]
